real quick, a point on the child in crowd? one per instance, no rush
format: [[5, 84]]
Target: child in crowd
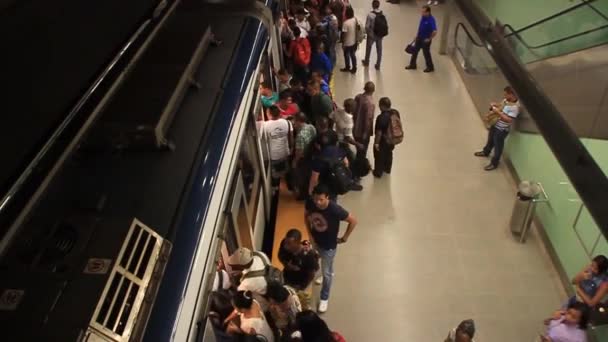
[[464, 332]]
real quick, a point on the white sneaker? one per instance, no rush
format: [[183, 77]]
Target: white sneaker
[[323, 305], [435, 3], [430, 2], [319, 280]]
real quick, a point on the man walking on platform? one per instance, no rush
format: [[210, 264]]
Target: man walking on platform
[[427, 30], [376, 28], [323, 217]]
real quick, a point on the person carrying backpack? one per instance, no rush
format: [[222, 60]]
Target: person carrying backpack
[[389, 132], [256, 272], [376, 28], [300, 52]]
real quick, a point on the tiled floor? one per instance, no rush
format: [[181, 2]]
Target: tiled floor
[[432, 246]]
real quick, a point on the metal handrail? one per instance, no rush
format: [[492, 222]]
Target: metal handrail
[[559, 14], [532, 47], [466, 30]]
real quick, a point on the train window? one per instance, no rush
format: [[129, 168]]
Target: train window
[[244, 226]]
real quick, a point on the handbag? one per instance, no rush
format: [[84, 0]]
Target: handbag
[[491, 119], [411, 47]]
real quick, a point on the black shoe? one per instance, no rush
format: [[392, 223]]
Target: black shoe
[[428, 70], [376, 174], [377, 66], [353, 70], [480, 154], [345, 70], [356, 187], [410, 67], [490, 167], [365, 63]]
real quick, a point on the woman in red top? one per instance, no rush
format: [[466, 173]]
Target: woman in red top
[[286, 105], [313, 328]]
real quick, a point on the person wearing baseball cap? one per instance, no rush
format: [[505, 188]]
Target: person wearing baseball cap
[[243, 260]]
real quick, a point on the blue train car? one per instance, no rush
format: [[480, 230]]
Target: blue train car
[[122, 239]]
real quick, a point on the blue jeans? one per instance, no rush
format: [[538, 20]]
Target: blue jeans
[[350, 57], [368, 49], [496, 141], [327, 270]]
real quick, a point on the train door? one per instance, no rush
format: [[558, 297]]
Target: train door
[[239, 215]]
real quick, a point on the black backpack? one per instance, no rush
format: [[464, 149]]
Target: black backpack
[[380, 25], [338, 175]]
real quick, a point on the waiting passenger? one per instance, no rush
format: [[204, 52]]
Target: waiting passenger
[[302, 22], [300, 263], [568, 326], [284, 306], [319, 76], [279, 134], [320, 62], [326, 136], [222, 278], [300, 95], [286, 106], [504, 113], [252, 318], [323, 218], [220, 308], [343, 118], [383, 145], [349, 41], [305, 135], [299, 52], [320, 103], [464, 332], [267, 96], [363, 117], [245, 261], [323, 172], [312, 328], [592, 282], [284, 80]]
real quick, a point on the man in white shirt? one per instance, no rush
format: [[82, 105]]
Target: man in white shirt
[[507, 111], [245, 261], [343, 119], [349, 41], [302, 22], [278, 132]]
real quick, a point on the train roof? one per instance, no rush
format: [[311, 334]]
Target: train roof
[[90, 209]]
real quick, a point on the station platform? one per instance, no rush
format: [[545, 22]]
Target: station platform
[[432, 246]]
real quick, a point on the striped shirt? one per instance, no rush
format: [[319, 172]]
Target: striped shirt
[[512, 110]]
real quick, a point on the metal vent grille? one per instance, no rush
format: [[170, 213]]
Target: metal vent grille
[[117, 310]]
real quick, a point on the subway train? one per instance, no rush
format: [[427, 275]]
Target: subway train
[[169, 174]]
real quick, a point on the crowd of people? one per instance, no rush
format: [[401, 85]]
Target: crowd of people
[[319, 148]]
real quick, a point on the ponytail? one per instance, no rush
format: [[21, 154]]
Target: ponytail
[[243, 300]]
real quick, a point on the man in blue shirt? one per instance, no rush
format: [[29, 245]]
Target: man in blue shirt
[[426, 32]]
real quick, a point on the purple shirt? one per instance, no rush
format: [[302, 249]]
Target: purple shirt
[[561, 332]]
